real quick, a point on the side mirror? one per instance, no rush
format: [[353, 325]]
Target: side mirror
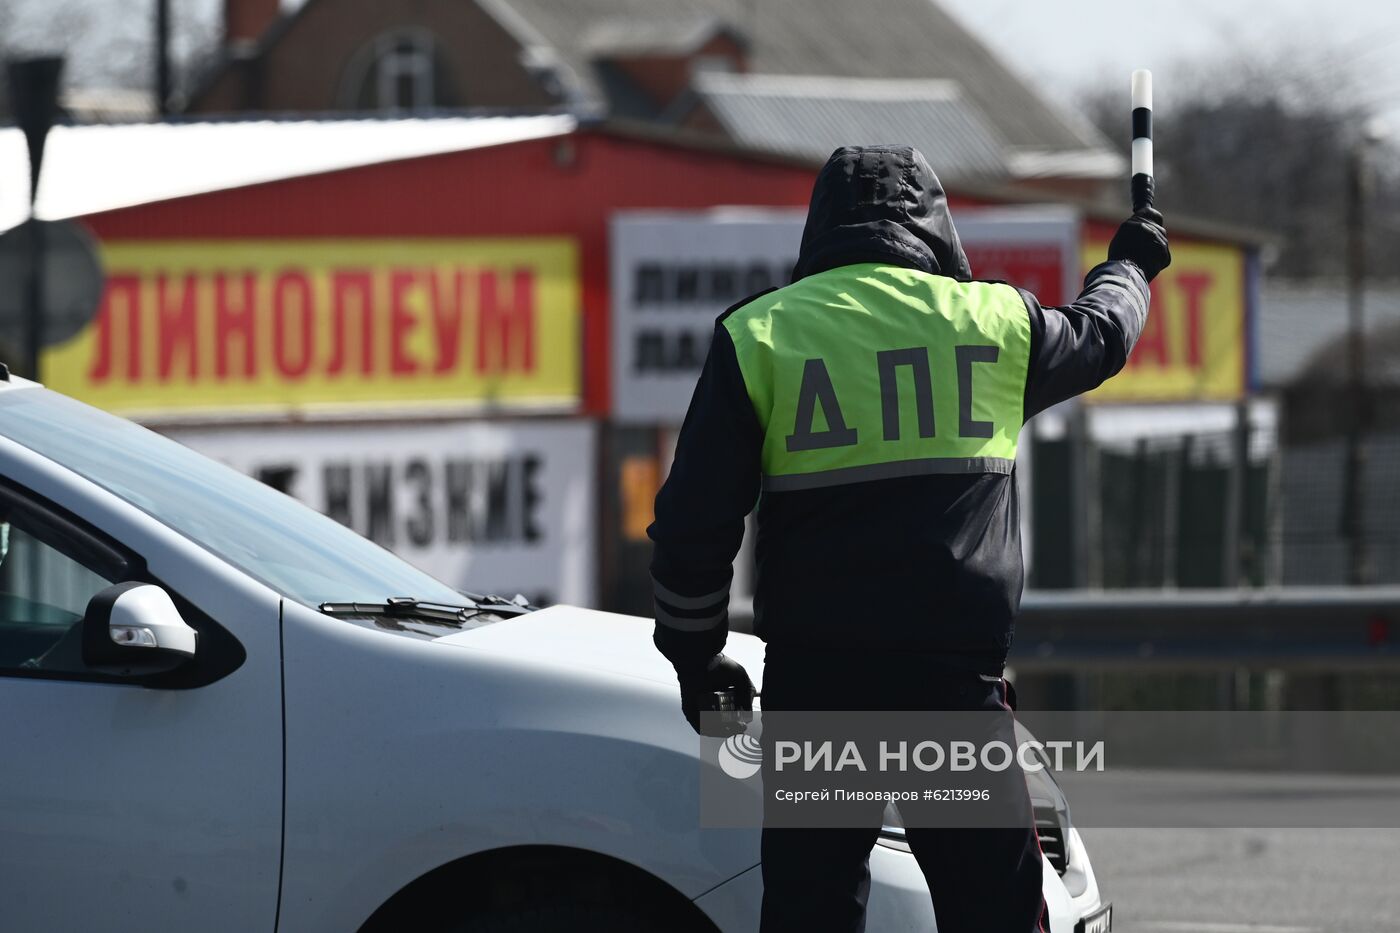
[[132, 629]]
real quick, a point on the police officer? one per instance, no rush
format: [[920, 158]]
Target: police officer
[[871, 409]]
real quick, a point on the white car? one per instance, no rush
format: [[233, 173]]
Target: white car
[[216, 714]]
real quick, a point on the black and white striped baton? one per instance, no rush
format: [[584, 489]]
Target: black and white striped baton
[[1142, 140]]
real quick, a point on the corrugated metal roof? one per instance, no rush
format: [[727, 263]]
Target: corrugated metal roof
[[1072, 163], [811, 116], [650, 37], [98, 168], [870, 39]]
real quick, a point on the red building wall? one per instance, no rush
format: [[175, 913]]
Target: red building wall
[[565, 186]]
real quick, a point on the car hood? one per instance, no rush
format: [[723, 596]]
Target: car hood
[[569, 636]]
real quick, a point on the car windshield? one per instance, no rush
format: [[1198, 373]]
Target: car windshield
[[297, 551]]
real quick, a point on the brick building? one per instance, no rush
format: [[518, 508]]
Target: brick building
[[790, 76]]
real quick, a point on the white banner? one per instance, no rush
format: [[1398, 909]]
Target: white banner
[[500, 507], [674, 273]]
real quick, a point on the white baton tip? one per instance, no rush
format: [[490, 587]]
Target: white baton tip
[[1142, 89]]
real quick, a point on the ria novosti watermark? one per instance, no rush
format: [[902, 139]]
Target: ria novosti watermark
[[1133, 769], [928, 756], [841, 769]]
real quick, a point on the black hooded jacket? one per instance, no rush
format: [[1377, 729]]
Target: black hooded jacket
[[927, 564]]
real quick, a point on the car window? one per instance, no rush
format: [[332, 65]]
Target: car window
[[44, 590], [295, 550]]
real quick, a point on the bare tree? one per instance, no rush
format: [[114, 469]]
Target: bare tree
[[1264, 141], [110, 45]]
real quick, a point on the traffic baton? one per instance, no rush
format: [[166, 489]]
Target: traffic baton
[[1142, 140]]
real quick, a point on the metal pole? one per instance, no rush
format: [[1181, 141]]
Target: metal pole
[[1080, 492], [1171, 512], [1354, 491], [34, 299], [1139, 552], [33, 89], [33, 338], [162, 54], [1093, 476], [1187, 480], [1274, 527], [1235, 498]]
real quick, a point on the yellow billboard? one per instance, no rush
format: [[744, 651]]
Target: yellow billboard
[[1195, 341], [282, 326]]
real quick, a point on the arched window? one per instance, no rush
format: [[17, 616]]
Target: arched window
[[397, 71]]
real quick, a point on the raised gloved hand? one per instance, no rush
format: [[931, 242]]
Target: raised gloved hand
[[698, 689], [1142, 240]]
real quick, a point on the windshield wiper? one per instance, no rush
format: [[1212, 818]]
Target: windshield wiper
[[407, 607], [517, 605]]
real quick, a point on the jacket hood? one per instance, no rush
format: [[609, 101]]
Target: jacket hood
[[880, 204]]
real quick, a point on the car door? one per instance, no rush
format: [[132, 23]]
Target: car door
[[132, 805]]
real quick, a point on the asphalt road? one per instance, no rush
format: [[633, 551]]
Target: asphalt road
[[1187, 799], [1249, 880]]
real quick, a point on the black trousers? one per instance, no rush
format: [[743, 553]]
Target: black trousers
[[982, 880]]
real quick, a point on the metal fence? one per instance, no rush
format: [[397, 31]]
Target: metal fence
[[1319, 544], [1246, 507], [1190, 510]]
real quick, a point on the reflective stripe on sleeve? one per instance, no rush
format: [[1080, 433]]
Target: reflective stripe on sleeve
[[672, 598], [874, 471], [686, 623], [1128, 287]]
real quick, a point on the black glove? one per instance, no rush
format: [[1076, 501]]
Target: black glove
[[1142, 240], [698, 693]]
